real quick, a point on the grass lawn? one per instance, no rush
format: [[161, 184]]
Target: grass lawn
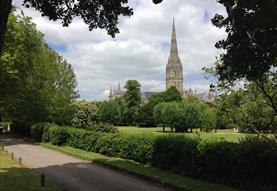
[[226, 134], [14, 177], [154, 174]]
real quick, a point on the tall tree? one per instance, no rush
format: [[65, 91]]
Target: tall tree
[[251, 45], [36, 84], [132, 96]]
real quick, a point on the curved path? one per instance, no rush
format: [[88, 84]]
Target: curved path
[[72, 174]]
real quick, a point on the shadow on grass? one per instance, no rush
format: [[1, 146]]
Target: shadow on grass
[[23, 179]]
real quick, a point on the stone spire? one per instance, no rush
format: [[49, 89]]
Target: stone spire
[[118, 87], [174, 68], [111, 94], [173, 49]]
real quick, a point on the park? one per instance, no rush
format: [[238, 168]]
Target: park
[[181, 118]]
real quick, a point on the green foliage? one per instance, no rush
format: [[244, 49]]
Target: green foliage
[[175, 153], [208, 119], [85, 114], [103, 128], [96, 14], [36, 83], [57, 135], [38, 129], [132, 96], [248, 110], [251, 29], [138, 148], [189, 114], [109, 112], [146, 118], [249, 164]]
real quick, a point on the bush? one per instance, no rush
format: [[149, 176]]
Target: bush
[[58, 135], [77, 137], [103, 128], [138, 148], [109, 144], [38, 129], [249, 164], [175, 153]]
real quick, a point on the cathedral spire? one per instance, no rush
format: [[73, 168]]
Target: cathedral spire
[[118, 87], [174, 49]]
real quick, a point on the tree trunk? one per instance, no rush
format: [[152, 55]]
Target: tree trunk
[[5, 8], [163, 128]]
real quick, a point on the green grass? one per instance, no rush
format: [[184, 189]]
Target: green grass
[[14, 177], [226, 134], [167, 178]]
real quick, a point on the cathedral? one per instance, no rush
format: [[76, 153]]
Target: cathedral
[[174, 68], [174, 76]]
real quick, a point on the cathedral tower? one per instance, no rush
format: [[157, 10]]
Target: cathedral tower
[[174, 68]]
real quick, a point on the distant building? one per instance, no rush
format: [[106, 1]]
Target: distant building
[[174, 77], [174, 68]]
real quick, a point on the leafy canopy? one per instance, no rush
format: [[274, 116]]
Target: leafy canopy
[[251, 44]]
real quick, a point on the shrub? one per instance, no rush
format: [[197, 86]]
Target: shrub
[[103, 128], [86, 113], [137, 147], [58, 135], [175, 153], [76, 138], [109, 144], [249, 164], [38, 129]]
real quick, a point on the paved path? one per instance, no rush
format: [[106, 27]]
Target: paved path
[[73, 174]]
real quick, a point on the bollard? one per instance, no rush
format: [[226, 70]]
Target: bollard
[[12, 156], [42, 180], [20, 160], [2, 148]]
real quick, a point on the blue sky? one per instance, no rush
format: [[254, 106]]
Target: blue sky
[[141, 50]]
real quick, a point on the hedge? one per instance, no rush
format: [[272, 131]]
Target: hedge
[[250, 164], [137, 148]]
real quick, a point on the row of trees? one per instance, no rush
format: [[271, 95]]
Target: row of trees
[[36, 83]]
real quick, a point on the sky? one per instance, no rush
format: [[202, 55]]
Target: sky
[[141, 50]]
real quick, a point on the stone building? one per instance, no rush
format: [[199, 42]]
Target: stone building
[[174, 76], [174, 68]]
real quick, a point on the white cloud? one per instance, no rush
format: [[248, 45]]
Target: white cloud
[[141, 50]]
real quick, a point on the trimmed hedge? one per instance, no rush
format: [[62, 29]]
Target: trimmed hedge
[[103, 128], [250, 164], [137, 148]]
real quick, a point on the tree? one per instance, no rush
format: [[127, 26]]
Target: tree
[[146, 116], [36, 84], [248, 110], [191, 114], [109, 112], [147, 111], [85, 115], [168, 113], [252, 29], [132, 96], [102, 14]]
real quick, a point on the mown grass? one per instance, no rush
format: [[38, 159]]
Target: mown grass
[[146, 171], [222, 134], [14, 177]]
